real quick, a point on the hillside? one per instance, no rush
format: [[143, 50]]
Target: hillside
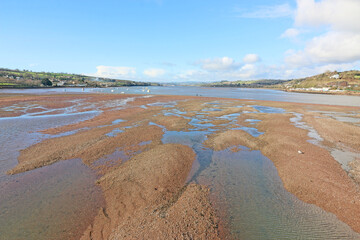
[[265, 83], [348, 80], [25, 79]]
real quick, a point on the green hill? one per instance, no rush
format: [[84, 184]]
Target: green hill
[[265, 83], [348, 80], [338, 81], [24, 79]]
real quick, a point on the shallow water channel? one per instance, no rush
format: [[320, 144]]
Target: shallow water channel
[[59, 201], [249, 192], [52, 202]]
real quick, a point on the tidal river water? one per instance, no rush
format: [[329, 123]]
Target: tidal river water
[[53, 202], [239, 93], [249, 191], [59, 201]]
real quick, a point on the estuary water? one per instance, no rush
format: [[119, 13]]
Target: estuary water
[[248, 190], [238, 93], [53, 202]]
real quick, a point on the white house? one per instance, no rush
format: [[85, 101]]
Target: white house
[[336, 76]]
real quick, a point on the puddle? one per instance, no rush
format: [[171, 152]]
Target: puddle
[[230, 117], [258, 207], [158, 125], [211, 110], [194, 140], [252, 131], [163, 104], [174, 112], [52, 202], [246, 185], [344, 158], [264, 109], [341, 156], [252, 120], [117, 104], [117, 157], [117, 121], [351, 117], [199, 125], [145, 143], [31, 116], [312, 133], [114, 132]]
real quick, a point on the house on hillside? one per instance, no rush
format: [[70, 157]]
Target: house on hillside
[[336, 76], [60, 83]]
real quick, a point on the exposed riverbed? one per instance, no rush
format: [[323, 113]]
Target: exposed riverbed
[[250, 190]]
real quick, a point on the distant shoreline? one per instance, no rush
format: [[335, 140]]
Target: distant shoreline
[[348, 93]]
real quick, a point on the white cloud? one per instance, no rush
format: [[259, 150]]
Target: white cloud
[[290, 33], [114, 72], [276, 11], [341, 15], [245, 72], [314, 70], [154, 72], [340, 44], [190, 75], [332, 47], [251, 58], [218, 64], [33, 65], [225, 68]]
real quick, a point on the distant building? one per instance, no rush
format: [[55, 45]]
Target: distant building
[[336, 76], [319, 89]]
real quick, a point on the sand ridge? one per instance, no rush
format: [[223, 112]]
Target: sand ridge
[[313, 176]]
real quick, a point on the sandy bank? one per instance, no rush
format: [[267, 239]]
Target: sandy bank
[[146, 196], [314, 177], [146, 199]]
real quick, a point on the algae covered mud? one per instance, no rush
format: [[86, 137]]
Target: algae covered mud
[[109, 166]]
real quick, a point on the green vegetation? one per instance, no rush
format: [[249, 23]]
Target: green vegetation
[[46, 82], [6, 84], [348, 80], [27, 79], [265, 83]]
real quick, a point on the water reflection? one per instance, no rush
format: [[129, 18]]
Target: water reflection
[[53, 202]]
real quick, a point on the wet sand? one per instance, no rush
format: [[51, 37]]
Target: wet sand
[[145, 187]]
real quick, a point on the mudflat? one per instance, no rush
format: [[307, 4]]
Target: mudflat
[[145, 182]]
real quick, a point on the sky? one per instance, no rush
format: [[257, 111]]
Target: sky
[[181, 41]]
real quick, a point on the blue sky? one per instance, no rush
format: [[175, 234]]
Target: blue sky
[[169, 40]]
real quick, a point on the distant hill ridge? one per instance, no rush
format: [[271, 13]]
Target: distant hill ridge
[[10, 78], [348, 79], [247, 84], [345, 81]]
